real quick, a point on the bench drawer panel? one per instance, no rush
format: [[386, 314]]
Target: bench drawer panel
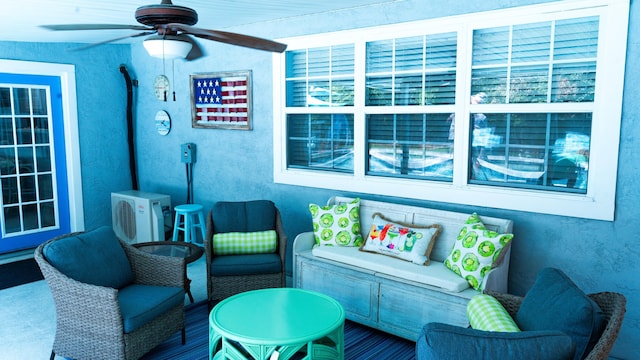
[[356, 292], [404, 310]]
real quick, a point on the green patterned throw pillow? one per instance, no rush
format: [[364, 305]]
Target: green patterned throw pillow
[[236, 243], [475, 251], [486, 313], [337, 225]]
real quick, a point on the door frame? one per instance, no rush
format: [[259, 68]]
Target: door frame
[[66, 74]]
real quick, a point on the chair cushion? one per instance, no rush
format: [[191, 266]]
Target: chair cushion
[[93, 257], [140, 304], [254, 264], [444, 341], [245, 216], [556, 303]]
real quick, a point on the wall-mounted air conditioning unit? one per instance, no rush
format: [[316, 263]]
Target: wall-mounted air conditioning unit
[[140, 216]]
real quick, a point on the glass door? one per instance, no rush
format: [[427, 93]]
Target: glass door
[[34, 202]]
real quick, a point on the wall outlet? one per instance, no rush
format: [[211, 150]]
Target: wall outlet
[[188, 153]]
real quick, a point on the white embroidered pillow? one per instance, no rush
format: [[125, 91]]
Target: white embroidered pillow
[[408, 242]]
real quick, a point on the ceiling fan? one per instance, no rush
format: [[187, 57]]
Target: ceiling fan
[[166, 21]]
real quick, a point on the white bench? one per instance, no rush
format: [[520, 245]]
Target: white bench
[[391, 294]]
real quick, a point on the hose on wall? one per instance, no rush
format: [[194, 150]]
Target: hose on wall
[[130, 134]]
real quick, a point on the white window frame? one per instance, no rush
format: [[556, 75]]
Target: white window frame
[[599, 200]]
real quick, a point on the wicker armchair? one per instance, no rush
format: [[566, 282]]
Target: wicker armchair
[[269, 269], [89, 320], [612, 304]]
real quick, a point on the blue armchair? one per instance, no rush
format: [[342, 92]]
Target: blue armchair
[[112, 300], [234, 272], [558, 322]]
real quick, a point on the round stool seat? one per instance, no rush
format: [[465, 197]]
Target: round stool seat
[[189, 218], [188, 208]]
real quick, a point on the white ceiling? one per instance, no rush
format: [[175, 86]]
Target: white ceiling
[[19, 19]]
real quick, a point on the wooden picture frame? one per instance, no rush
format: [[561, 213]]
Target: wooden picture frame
[[221, 100]]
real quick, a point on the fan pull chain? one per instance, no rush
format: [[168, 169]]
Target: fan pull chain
[[164, 71], [173, 78]]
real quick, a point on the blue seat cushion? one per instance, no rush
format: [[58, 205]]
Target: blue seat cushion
[[253, 264], [245, 216], [444, 341], [140, 304], [556, 303], [93, 257]]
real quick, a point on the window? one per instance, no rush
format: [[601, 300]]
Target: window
[[28, 200], [549, 62], [410, 72], [520, 110], [320, 77]]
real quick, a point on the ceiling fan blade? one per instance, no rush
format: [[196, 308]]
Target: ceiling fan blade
[[116, 39], [68, 27], [229, 38], [196, 50]]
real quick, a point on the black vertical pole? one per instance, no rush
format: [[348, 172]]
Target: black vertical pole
[[130, 134]]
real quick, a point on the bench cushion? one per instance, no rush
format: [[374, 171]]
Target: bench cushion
[[436, 274], [93, 257]]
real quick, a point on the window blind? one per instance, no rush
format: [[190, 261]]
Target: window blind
[[320, 141], [417, 70], [320, 76]]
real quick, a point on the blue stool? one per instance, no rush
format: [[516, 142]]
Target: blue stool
[[189, 213]]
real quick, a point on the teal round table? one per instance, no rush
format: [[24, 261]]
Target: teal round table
[[255, 324]]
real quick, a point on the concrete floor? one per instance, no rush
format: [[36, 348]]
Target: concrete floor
[[27, 315]]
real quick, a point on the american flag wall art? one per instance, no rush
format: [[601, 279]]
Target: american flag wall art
[[221, 100]]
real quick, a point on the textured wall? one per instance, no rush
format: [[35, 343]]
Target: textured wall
[[238, 165], [101, 101]]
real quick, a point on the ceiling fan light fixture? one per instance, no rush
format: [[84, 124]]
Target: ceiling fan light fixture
[[167, 46]]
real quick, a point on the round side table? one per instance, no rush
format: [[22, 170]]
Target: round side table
[[255, 324], [188, 251]]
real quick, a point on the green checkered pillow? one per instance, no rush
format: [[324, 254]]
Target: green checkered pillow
[[475, 251], [236, 243], [486, 313]]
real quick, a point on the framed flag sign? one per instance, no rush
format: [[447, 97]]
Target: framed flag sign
[[221, 100]]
